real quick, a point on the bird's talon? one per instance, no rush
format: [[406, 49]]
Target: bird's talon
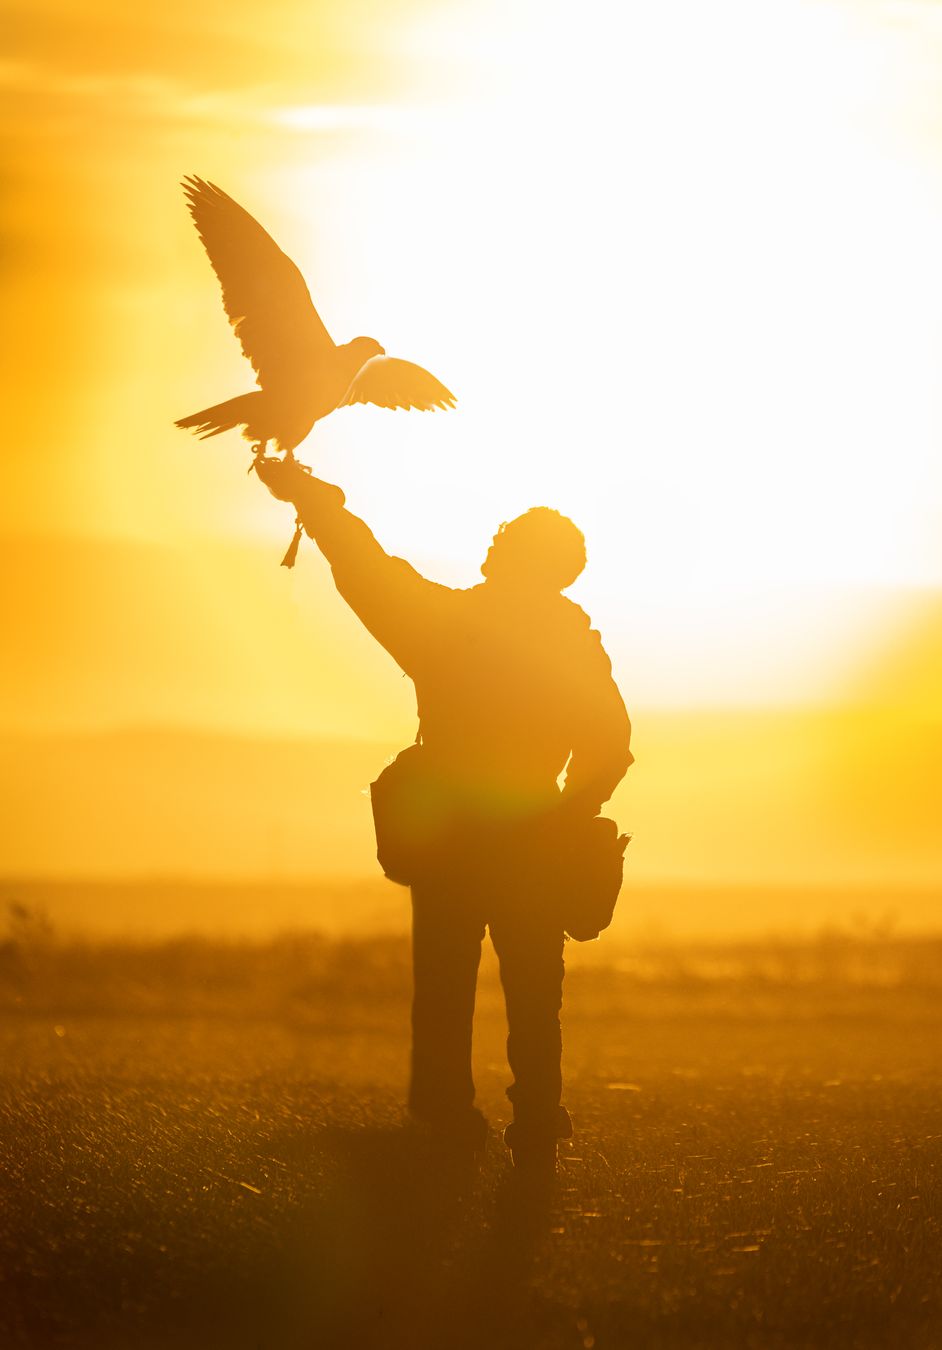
[[258, 452]]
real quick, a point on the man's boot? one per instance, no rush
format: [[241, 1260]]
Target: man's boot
[[533, 1139]]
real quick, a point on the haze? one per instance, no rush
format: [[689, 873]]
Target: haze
[[681, 268]]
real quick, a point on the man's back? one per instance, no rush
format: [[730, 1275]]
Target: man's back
[[509, 684], [510, 678]]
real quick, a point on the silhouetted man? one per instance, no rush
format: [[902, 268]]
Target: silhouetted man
[[511, 685]]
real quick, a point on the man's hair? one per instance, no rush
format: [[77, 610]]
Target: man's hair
[[543, 545]]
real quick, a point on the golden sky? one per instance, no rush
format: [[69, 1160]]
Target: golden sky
[[679, 262]]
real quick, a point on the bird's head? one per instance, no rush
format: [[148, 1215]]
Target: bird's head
[[365, 348], [541, 550]]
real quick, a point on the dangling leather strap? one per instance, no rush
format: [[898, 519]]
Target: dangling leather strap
[[288, 559]]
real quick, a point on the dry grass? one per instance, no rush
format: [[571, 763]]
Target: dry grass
[[202, 1145]]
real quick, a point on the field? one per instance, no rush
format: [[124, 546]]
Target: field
[[202, 1145]]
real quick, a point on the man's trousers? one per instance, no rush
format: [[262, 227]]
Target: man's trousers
[[448, 926]]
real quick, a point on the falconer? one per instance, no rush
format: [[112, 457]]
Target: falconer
[[513, 687]]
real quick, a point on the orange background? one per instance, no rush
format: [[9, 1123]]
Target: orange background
[[682, 273]]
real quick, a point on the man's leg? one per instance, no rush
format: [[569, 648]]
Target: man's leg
[[530, 951], [446, 952]]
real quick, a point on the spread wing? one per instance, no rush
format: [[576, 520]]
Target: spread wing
[[264, 294], [391, 383]]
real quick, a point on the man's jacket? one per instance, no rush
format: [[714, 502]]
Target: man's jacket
[[511, 685]]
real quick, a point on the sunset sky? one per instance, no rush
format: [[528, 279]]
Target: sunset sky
[[680, 264]]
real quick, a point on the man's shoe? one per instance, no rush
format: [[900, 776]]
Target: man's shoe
[[532, 1143]]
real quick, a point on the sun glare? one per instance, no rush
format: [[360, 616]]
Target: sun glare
[[679, 263], [698, 313]]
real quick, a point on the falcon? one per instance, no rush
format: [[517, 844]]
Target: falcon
[[302, 373]]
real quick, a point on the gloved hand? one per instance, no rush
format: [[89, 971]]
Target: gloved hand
[[290, 481], [284, 478]]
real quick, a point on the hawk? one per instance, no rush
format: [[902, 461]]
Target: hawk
[[302, 373]]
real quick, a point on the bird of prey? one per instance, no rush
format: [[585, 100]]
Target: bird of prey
[[303, 375]]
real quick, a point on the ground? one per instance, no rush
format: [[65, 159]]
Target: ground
[[203, 1145]]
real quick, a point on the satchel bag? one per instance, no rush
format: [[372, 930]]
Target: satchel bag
[[410, 815], [589, 869]]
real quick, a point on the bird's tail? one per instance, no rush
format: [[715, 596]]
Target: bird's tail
[[223, 416]]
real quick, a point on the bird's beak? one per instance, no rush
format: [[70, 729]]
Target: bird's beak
[[382, 351]]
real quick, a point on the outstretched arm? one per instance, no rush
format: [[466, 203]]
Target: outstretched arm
[[394, 601]]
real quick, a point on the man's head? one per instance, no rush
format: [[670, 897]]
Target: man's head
[[540, 549]]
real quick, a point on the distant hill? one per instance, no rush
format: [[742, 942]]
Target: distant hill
[[762, 797], [768, 797], [172, 802], [122, 632]]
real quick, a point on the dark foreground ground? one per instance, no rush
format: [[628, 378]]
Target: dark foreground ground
[[203, 1146]]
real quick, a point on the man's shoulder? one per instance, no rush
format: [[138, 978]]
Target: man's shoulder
[[579, 622], [586, 638]]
